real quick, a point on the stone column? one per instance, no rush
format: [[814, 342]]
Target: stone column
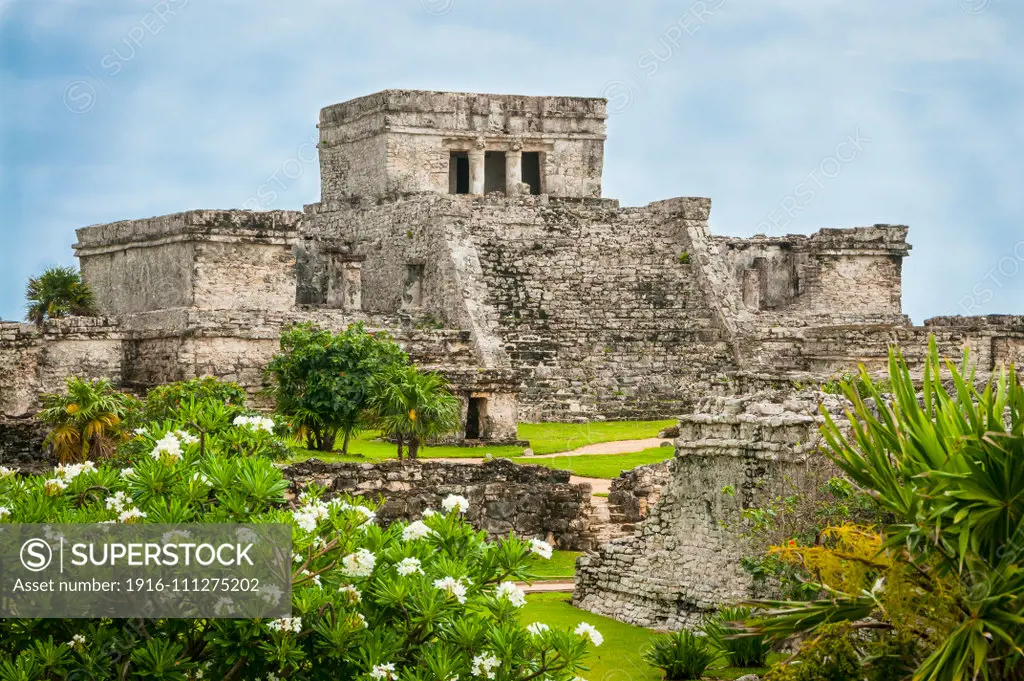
[[476, 168], [513, 171]]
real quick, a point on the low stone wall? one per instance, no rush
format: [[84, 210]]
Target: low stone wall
[[683, 560], [21, 445], [531, 501]]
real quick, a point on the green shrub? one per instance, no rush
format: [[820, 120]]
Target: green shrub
[[681, 655], [162, 401], [750, 650], [829, 656], [432, 599], [58, 292], [684, 258]]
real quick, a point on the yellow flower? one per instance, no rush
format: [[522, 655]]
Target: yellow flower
[[73, 408], [412, 414]]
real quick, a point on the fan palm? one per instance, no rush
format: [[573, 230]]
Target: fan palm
[[412, 406], [89, 420], [58, 292]]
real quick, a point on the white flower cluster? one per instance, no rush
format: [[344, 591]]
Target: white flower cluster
[[118, 502], [130, 514], [5, 471], [186, 437], [541, 548], [286, 624], [271, 594], [255, 423], [71, 471], [168, 446], [127, 472], [77, 641], [358, 564], [588, 631], [512, 593], [416, 530], [351, 593], [484, 665], [455, 502], [453, 587], [309, 515], [409, 566], [4, 512], [537, 628], [358, 617], [54, 485], [383, 671]]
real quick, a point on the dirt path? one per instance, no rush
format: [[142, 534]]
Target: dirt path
[[614, 447], [566, 586]]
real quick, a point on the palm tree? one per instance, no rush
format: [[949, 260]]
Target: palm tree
[[412, 406], [89, 420], [58, 292]]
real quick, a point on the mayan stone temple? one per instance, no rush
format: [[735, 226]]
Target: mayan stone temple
[[473, 228]]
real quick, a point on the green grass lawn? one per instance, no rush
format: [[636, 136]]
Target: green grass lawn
[[548, 438], [544, 438], [561, 565], [603, 465], [619, 658]]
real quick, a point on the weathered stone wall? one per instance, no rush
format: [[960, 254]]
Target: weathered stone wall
[[400, 141], [200, 258], [595, 307], [635, 492], [531, 501], [812, 277], [683, 560]]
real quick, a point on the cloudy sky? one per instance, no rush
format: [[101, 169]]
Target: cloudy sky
[[791, 115]]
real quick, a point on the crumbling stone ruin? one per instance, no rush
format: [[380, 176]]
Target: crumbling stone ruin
[[473, 228]]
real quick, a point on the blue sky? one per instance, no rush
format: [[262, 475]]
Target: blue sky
[[908, 112]]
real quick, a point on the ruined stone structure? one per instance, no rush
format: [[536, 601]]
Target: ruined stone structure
[[473, 228]]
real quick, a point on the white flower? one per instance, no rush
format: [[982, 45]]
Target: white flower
[[309, 515], [454, 502], [54, 485], [484, 665], [168, 446], [5, 471], [297, 557], [367, 514], [271, 594], [541, 548], [186, 437], [246, 534], [4, 511], [453, 587], [416, 530], [314, 580], [512, 593], [140, 431], [127, 472], [200, 478], [77, 641], [176, 536], [358, 564], [362, 620], [429, 512], [351, 593], [409, 566], [286, 624], [223, 605], [537, 628], [588, 631], [118, 502], [73, 470], [130, 515], [255, 423], [383, 671]]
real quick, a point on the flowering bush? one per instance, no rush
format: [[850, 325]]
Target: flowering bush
[[428, 599]]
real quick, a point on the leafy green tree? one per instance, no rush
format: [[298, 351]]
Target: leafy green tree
[[948, 464], [58, 292], [320, 379], [89, 420], [412, 406], [162, 401]]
